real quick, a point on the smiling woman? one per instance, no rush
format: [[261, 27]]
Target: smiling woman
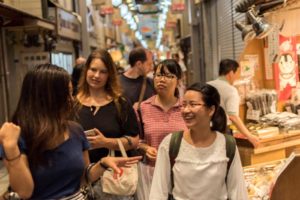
[[202, 154], [103, 109]]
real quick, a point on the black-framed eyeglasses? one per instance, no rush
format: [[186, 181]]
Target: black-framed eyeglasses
[[167, 76], [191, 104]]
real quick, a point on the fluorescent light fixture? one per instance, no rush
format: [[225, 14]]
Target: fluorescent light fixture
[[161, 48], [116, 3], [136, 19], [128, 16], [133, 26], [123, 10]]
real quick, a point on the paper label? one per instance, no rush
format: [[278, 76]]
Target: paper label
[[253, 115]]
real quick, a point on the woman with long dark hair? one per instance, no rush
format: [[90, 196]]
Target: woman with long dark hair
[[201, 169], [45, 153]]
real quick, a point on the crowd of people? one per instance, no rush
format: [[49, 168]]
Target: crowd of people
[[61, 135]]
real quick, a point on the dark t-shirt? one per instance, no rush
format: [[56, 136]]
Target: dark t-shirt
[[132, 88], [62, 176], [109, 123]]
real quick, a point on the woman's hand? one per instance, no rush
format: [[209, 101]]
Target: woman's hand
[[116, 162], [97, 141], [151, 153], [9, 134]]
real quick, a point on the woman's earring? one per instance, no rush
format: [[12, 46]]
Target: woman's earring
[[211, 124]]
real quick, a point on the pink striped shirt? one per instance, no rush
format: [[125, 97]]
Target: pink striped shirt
[[159, 123]]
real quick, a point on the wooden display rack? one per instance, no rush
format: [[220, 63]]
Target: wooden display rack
[[275, 148]]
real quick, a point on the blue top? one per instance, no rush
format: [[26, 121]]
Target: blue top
[[62, 176]]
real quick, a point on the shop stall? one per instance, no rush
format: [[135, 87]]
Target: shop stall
[[275, 180], [270, 92]]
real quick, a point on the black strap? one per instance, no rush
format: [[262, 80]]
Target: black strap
[[141, 96], [174, 147], [173, 152], [230, 151], [141, 124]]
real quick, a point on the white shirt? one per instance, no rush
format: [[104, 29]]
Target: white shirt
[[199, 173], [230, 99]]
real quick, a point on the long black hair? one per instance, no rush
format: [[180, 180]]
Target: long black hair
[[211, 97], [43, 110], [173, 67]]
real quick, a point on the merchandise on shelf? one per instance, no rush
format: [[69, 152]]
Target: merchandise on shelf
[[261, 179], [260, 103], [284, 120]]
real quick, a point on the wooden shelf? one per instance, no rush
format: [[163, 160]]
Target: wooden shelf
[[277, 147]]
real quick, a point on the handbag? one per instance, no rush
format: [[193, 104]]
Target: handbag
[[123, 184]]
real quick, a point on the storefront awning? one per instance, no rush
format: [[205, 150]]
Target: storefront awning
[[14, 18]]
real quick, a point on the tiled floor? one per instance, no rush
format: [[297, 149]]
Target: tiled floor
[[3, 178]]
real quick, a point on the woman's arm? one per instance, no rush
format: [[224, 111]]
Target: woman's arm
[[148, 150], [20, 178], [114, 163], [161, 179], [100, 141], [235, 181]]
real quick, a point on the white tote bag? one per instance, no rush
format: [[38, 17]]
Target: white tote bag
[[123, 184]]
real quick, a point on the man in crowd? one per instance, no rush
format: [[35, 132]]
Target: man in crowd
[[141, 63], [79, 65], [230, 100]]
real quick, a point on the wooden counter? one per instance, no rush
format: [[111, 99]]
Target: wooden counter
[[274, 148]]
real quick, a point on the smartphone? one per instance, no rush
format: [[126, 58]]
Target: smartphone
[[90, 132]]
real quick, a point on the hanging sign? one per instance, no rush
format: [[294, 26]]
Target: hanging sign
[[117, 22], [171, 24], [286, 67], [106, 10], [178, 7]]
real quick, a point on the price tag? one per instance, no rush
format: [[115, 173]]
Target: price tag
[[253, 115]]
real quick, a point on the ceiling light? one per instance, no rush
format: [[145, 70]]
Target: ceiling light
[[261, 28], [247, 31], [136, 19], [116, 3], [123, 10]]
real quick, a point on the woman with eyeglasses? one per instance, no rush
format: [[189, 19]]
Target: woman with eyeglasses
[[202, 168], [160, 116]]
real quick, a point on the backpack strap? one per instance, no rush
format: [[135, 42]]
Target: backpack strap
[[173, 151], [230, 151]]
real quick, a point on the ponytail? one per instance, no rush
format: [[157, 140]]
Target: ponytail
[[219, 120], [211, 98]]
